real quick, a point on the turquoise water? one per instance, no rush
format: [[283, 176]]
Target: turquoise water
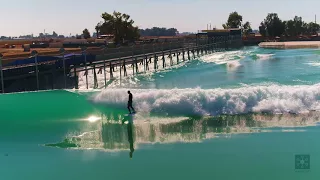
[[240, 114]]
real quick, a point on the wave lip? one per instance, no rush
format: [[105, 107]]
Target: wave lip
[[272, 99]]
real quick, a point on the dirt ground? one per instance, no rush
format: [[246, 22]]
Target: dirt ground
[[42, 51]]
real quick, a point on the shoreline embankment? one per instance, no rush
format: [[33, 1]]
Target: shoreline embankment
[[290, 45]]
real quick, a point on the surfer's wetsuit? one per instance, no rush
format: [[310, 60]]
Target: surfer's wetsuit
[[130, 103]]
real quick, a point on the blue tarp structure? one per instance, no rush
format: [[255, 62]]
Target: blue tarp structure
[[31, 60], [74, 59]]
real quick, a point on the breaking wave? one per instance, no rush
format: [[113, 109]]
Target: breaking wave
[[224, 57], [276, 99], [264, 56]]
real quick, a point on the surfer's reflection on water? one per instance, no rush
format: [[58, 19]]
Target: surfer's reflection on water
[[130, 135]]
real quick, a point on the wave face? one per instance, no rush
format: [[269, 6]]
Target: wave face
[[272, 99]]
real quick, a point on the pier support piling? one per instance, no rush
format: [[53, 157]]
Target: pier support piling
[[120, 70], [144, 63], [35, 55], [95, 79], [163, 60], [75, 78], [62, 51], [155, 62], [198, 51], [183, 58], [170, 56], [53, 70], [177, 57], [84, 52], [124, 68], [104, 73], [136, 62], [1, 74], [111, 73]]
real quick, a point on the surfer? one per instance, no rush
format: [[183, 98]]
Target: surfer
[[130, 103]]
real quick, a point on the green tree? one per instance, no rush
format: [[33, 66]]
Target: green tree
[[289, 29], [97, 28], [234, 21], [274, 25], [312, 28], [246, 28], [298, 24], [305, 29], [262, 29], [156, 31], [86, 34], [120, 25], [78, 37], [54, 34]]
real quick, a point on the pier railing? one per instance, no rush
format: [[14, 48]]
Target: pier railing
[[99, 67]]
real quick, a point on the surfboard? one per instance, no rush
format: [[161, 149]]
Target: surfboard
[[128, 118], [131, 114]]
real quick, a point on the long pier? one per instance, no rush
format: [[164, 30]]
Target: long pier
[[108, 64]]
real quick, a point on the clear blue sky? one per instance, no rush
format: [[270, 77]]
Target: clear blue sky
[[20, 17]]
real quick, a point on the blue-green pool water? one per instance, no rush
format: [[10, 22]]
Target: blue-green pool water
[[245, 114]]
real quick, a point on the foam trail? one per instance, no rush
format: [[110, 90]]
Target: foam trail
[[273, 98]]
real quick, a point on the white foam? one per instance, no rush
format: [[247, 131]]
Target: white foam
[[232, 64], [264, 56], [315, 64], [273, 98], [223, 57]]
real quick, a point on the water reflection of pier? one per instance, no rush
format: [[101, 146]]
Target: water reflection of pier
[[113, 135]]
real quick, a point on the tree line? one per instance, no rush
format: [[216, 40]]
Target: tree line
[[31, 36], [122, 27], [157, 31], [273, 26]]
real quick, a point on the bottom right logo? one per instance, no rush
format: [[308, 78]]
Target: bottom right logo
[[302, 162]]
